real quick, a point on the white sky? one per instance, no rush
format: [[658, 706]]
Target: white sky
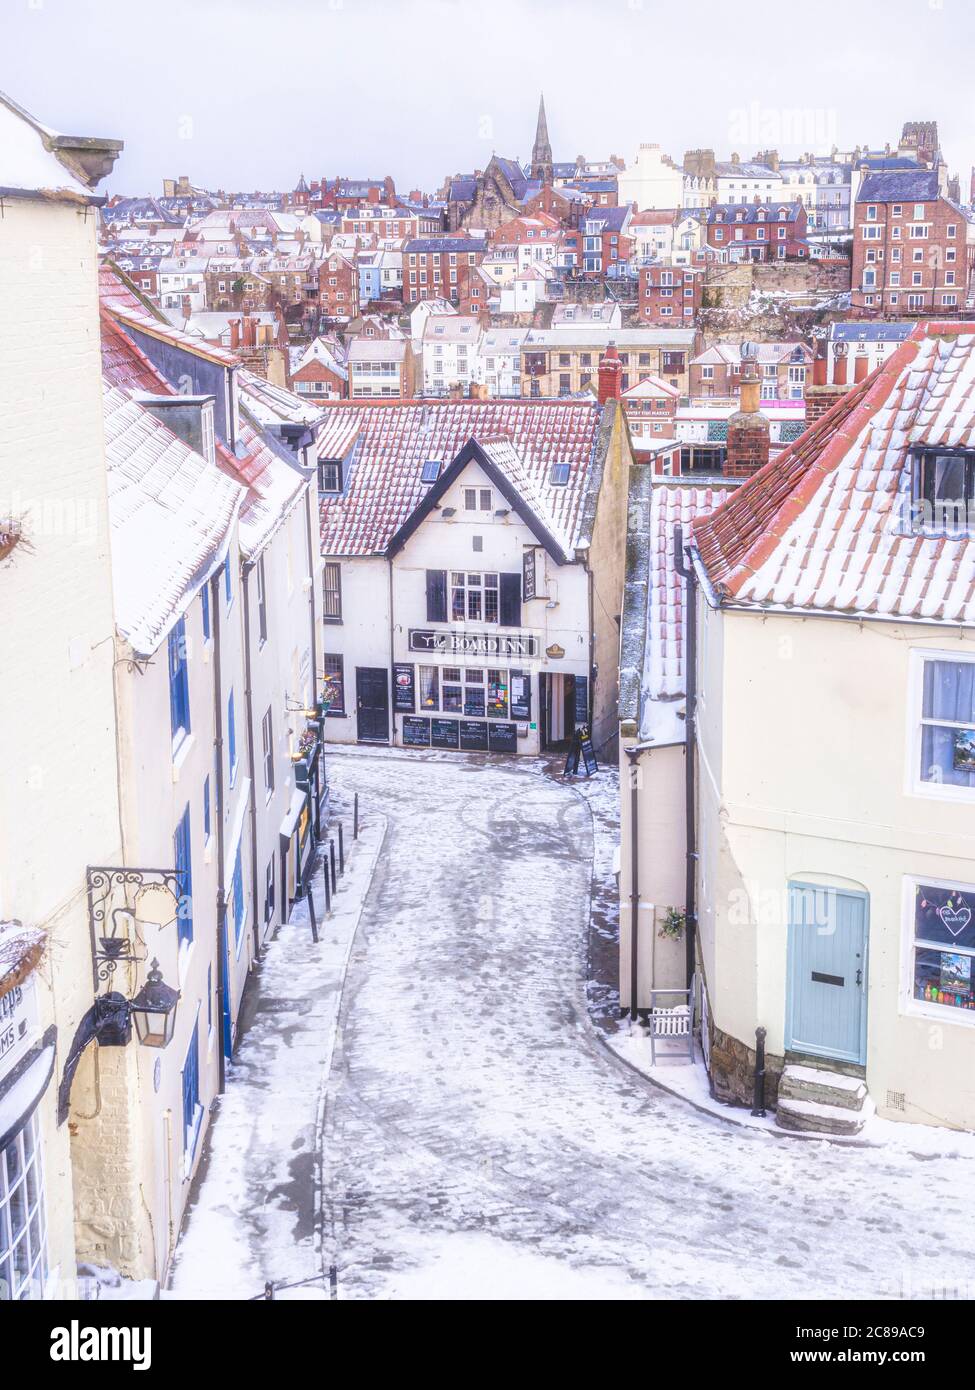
[[250, 93]]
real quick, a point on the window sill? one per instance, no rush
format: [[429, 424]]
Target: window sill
[[939, 1013], [941, 791], [181, 752], [331, 620]]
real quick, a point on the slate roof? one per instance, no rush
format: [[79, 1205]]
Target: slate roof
[[825, 525], [169, 514], [870, 332], [914, 185], [776, 211], [387, 445]]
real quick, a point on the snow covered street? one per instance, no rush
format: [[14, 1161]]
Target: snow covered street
[[450, 1125], [479, 1141]]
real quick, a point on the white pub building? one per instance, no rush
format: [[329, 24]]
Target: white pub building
[[472, 572]]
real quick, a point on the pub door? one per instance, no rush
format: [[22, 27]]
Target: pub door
[[372, 704], [558, 702]]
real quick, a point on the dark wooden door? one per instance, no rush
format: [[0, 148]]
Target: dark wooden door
[[372, 704]]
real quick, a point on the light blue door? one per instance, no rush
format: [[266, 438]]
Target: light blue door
[[826, 998]]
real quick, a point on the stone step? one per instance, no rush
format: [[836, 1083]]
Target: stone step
[[813, 1117], [822, 1087]]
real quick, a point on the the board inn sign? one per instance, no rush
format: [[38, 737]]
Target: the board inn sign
[[500, 644]]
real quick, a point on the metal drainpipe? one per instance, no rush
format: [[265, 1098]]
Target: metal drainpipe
[[249, 708], [315, 691], [690, 749], [223, 991], [633, 754]]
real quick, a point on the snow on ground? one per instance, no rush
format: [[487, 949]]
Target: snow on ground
[[480, 1140], [255, 1215], [471, 1097]]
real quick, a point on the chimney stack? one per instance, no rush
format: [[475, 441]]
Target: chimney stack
[[748, 429], [234, 334], [861, 366], [610, 375]]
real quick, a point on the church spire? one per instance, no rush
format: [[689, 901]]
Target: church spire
[[541, 167]]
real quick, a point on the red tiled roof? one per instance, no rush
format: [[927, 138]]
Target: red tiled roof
[[825, 525], [390, 443]]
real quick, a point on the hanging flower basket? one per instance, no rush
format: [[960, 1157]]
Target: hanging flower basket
[[672, 927]]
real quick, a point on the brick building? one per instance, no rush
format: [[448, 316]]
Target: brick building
[[758, 231], [783, 368], [911, 249], [338, 287], [670, 295], [443, 268]]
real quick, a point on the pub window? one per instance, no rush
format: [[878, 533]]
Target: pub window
[[192, 1109], [497, 695], [453, 695], [944, 490], [429, 687], [474, 597], [332, 592], [947, 725], [23, 1217], [943, 946], [474, 697], [333, 669]]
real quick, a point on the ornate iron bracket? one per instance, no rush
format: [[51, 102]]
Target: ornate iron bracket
[[112, 894]]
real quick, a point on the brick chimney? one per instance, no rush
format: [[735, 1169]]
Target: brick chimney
[[861, 367], [610, 375], [234, 334], [748, 429]]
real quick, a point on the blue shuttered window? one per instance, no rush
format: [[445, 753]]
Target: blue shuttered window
[[192, 1110], [206, 807], [238, 900], [205, 604], [179, 692], [181, 854]]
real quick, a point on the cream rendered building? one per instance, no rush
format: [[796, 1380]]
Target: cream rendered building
[[652, 181], [836, 756], [59, 807]]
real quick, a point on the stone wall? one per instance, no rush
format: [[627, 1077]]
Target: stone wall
[[733, 1070], [802, 277]]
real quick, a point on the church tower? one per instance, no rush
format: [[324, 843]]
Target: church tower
[[541, 167]]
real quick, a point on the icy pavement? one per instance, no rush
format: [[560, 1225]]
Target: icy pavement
[[481, 1142], [255, 1214]]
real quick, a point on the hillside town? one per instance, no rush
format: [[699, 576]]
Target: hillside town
[[334, 959]]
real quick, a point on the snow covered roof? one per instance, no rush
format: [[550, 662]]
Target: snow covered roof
[[37, 161], [671, 504], [387, 445], [826, 525], [648, 387], [170, 514]]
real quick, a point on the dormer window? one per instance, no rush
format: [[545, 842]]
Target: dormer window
[[329, 475], [430, 471], [559, 474], [943, 490]]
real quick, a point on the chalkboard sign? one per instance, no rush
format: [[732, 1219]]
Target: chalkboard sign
[[404, 688], [528, 581], [521, 695], [474, 734], [581, 751], [582, 699], [416, 733], [444, 733], [503, 738]]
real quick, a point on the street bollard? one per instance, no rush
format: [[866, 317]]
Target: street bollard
[[331, 858], [269, 1291], [758, 1107], [355, 816], [328, 891], [341, 849]]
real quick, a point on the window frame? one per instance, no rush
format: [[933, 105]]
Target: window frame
[[332, 568], [909, 1004], [915, 784], [267, 750], [336, 711]]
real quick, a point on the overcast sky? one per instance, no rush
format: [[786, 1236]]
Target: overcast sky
[[251, 93]]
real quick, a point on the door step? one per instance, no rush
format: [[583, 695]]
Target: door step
[[826, 1102]]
